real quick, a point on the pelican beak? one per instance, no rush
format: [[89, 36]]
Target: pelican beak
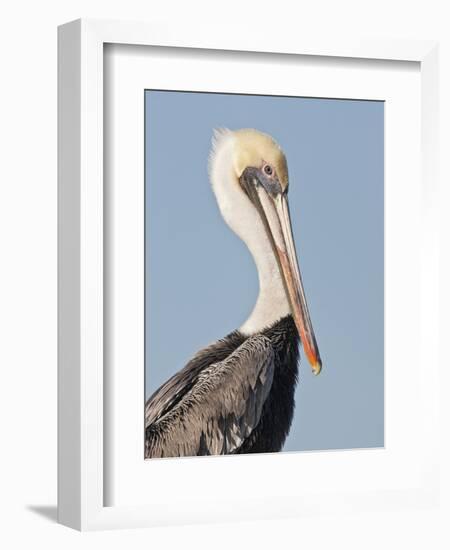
[[273, 207]]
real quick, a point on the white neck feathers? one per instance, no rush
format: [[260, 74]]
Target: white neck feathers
[[243, 218]]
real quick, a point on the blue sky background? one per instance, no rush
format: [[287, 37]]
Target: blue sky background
[[201, 282]]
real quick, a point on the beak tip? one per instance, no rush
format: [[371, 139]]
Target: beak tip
[[317, 368]]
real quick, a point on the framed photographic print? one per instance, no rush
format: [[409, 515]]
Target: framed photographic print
[[246, 255]]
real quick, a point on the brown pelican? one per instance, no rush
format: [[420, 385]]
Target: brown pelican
[[237, 395]]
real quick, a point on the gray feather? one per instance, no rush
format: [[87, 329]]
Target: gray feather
[[212, 410]]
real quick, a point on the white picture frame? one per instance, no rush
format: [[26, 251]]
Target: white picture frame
[[83, 397]]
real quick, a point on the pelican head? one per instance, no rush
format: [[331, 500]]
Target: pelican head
[[250, 179]]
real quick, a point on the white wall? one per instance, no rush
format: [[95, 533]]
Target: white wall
[[28, 266]]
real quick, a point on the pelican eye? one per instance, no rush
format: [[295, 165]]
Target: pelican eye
[[268, 170]]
